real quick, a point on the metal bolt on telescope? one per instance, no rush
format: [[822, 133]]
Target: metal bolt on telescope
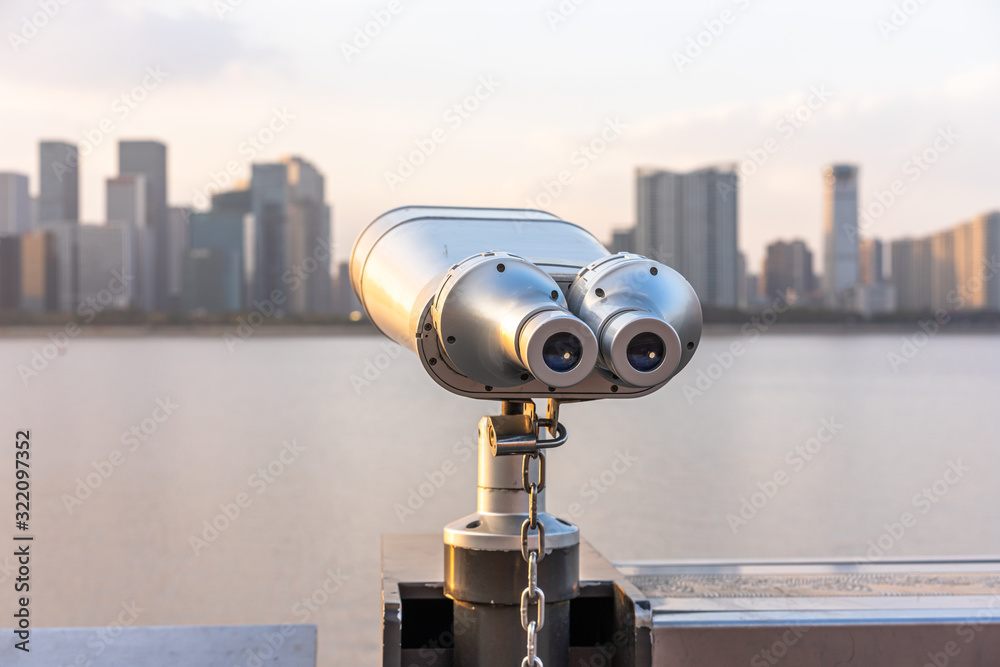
[[513, 305]]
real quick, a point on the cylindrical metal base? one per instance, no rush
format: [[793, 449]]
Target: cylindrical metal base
[[498, 577], [486, 587], [491, 636], [485, 571]]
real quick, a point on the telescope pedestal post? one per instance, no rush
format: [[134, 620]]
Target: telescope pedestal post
[[485, 571]]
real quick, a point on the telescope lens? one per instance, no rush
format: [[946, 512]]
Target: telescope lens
[[645, 352], [562, 352]]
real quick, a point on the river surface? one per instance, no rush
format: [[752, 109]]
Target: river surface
[[800, 446]]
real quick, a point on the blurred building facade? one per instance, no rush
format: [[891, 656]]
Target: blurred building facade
[[689, 221], [623, 240], [345, 300], [788, 271], [10, 272], [292, 230], [840, 234], [215, 267], [15, 204], [58, 182], [39, 289], [871, 261], [178, 220], [106, 278], [126, 204], [149, 159], [875, 294], [955, 268]]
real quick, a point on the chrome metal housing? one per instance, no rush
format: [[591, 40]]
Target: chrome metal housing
[[412, 258], [495, 314], [624, 296]]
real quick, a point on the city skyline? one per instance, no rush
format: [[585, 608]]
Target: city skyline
[[861, 230], [262, 84], [275, 231], [269, 242]]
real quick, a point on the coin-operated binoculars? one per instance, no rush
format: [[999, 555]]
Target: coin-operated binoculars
[[514, 305]]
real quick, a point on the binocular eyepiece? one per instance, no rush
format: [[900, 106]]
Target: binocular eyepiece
[[552, 314], [499, 317], [633, 304]]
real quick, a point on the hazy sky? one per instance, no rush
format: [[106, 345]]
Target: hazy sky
[[898, 74]]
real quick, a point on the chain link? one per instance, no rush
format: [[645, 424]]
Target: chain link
[[532, 594], [526, 470], [532, 660]]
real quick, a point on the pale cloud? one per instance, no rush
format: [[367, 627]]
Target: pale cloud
[[976, 85], [100, 43]]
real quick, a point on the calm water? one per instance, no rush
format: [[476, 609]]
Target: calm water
[[360, 450]]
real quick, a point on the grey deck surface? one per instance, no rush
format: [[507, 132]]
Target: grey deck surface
[[886, 614], [812, 586]]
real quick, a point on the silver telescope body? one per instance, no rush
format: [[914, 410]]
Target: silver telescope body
[[509, 303]]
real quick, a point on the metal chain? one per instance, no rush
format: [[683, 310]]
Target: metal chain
[[532, 594]]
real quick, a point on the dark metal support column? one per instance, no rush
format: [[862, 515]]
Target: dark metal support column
[[485, 572]]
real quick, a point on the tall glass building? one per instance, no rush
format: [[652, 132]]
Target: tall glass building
[[840, 234], [149, 159], [689, 221], [58, 182]]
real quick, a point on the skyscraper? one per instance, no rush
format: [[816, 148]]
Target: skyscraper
[[623, 240], [215, 268], [292, 233], [911, 273], [875, 294], [239, 203], [953, 269], [840, 234], [127, 205], [944, 279], [788, 271], [269, 195], [106, 268], [742, 297], [689, 221], [310, 239], [178, 218], [10, 272], [58, 182], [232, 201], [126, 200], [211, 282], [977, 253], [38, 272], [67, 263], [870, 262], [15, 204], [345, 300], [149, 159]]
